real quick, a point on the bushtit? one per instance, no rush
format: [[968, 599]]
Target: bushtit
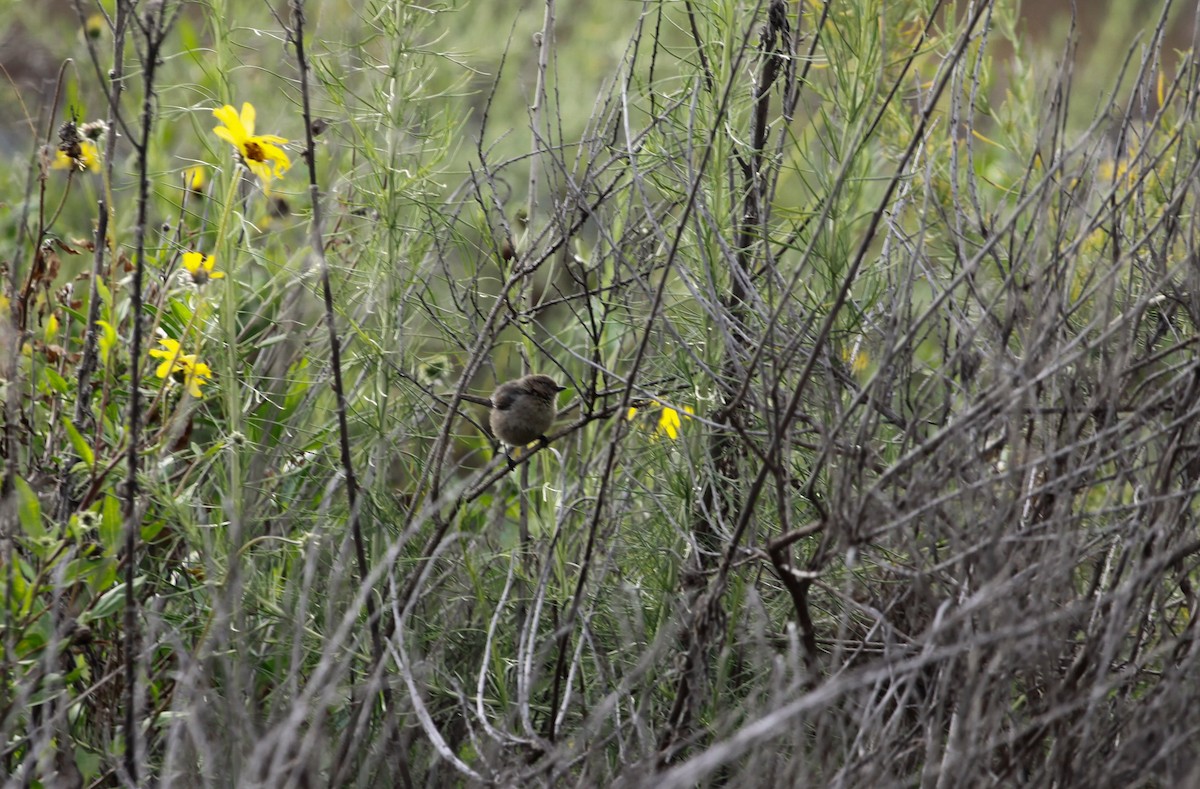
[[522, 410]]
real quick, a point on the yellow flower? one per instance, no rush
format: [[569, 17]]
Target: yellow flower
[[194, 178], [201, 267], [171, 352], [195, 374], [1119, 171], [88, 159], [94, 26], [857, 357], [669, 422], [257, 151]]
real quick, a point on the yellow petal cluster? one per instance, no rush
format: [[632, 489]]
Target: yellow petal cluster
[[669, 423], [201, 267], [260, 152], [88, 159], [195, 374]]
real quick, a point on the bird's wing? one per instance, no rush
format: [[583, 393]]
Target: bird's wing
[[504, 398]]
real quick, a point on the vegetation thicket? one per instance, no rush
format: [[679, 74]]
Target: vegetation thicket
[[878, 457]]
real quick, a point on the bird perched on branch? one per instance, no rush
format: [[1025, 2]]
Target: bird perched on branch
[[522, 410]]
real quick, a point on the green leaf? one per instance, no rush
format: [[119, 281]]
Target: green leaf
[[110, 524], [78, 314], [21, 599], [105, 576], [90, 764], [111, 601], [55, 381], [106, 340], [151, 530], [181, 311], [81, 446], [105, 295], [29, 510]]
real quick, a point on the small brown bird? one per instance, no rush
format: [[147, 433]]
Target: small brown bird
[[523, 409]]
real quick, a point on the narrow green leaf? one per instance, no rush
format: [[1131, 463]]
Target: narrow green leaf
[[81, 446], [29, 510], [110, 524], [110, 602], [105, 295], [55, 381]]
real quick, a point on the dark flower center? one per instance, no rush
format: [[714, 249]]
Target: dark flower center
[[253, 151]]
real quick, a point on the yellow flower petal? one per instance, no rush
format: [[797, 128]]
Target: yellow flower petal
[[227, 136], [668, 423], [89, 158], [201, 267], [193, 261], [248, 116], [257, 151], [170, 349], [276, 155], [260, 170], [233, 124], [194, 178], [198, 375]]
